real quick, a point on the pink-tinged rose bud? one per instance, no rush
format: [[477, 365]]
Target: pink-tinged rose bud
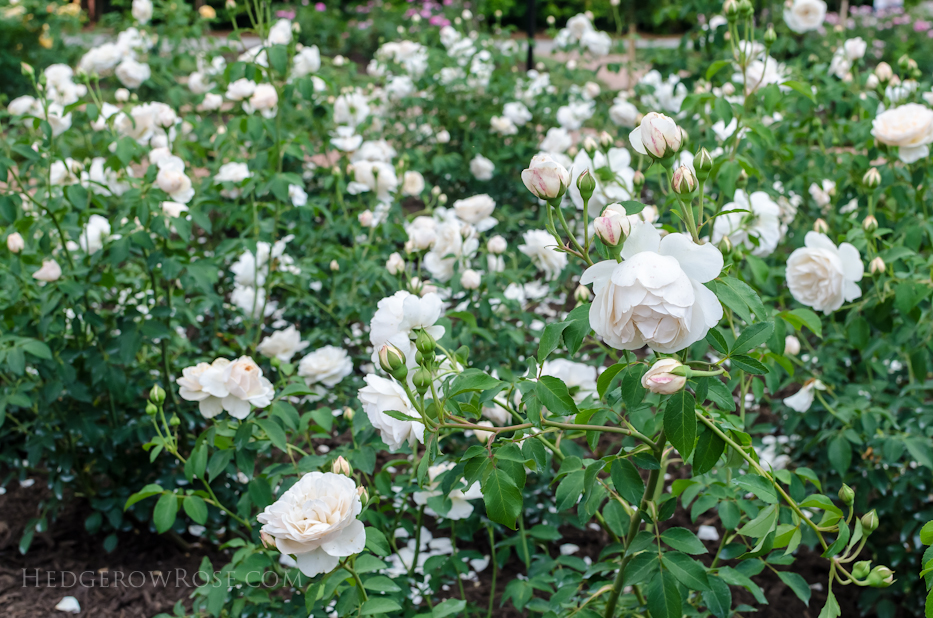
[[609, 230], [470, 279], [546, 178], [820, 226], [658, 136], [363, 494], [15, 242], [392, 361], [268, 541], [876, 266], [684, 181], [341, 466], [365, 218], [659, 378]]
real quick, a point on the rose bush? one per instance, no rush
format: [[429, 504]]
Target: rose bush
[[456, 312]]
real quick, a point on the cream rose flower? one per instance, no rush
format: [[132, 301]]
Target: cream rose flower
[[50, 271], [803, 399], [328, 366], [460, 507], [823, 276], [282, 344], [381, 395], [190, 389], [412, 183], [804, 15], [763, 223], [476, 210], [238, 385], [15, 242], [132, 73], [541, 248], [655, 297], [316, 521], [172, 179], [909, 127]]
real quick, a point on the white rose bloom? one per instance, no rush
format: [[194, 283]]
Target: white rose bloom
[[305, 62], [668, 94], [232, 172], [64, 172], [101, 180], [381, 395], [395, 264], [761, 73], [58, 119], [94, 234], [502, 125], [764, 223], [580, 378], [297, 195], [263, 100], [200, 83], [422, 232], [545, 177], [804, 15], [316, 521], [909, 127], [240, 89], [855, 48], [375, 150], [238, 386], [173, 209], [460, 507], [656, 135], [280, 33], [612, 173], [21, 106], [517, 113], [142, 11], [497, 244], [50, 271], [397, 315], [190, 389], [132, 74], [558, 139], [412, 183], [282, 344], [470, 279], [482, 168], [328, 366], [823, 276], [351, 109], [823, 193], [15, 242], [172, 179], [448, 246], [655, 296], [541, 248], [572, 116], [476, 210], [598, 43], [803, 399], [101, 60], [374, 176], [624, 113]]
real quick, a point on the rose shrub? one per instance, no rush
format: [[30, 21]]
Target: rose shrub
[[401, 328]]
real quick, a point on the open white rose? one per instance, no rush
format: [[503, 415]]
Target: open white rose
[[132, 74], [50, 271], [909, 127], [655, 296], [305, 62], [316, 521], [240, 89], [460, 507], [282, 344], [190, 389], [657, 135], [476, 210], [94, 234], [823, 276], [172, 179], [381, 395], [142, 11], [482, 168], [804, 15], [763, 223], [803, 399], [412, 183], [397, 315], [328, 366], [236, 387], [541, 248]]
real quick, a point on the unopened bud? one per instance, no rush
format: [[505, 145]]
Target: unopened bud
[[770, 36], [725, 245], [268, 541], [872, 82], [820, 226], [730, 8], [582, 294], [334, 266], [746, 9], [230, 4], [363, 493], [586, 184], [659, 378], [880, 577], [742, 180], [638, 181], [425, 342], [703, 163], [392, 361], [27, 69], [872, 178], [157, 394], [906, 64], [877, 266], [174, 421], [609, 230], [847, 495], [348, 413], [341, 466], [870, 522], [605, 140], [684, 181], [791, 345], [870, 224], [590, 145], [151, 409], [422, 380], [861, 569]]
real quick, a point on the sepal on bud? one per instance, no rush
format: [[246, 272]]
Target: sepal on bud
[[872, 178], [586, 184], [157, 395], [703, 163], [422, 380], [861, 569], [847, 495], [870, 522], [392, 361]]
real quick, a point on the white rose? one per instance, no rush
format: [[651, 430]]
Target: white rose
[[173, 209], [232, 172], [803, 399], [541, 248], [297, 195], [95, 232], [545, 177], [791, 345], [823, 276], [502, 125], [132, 74], [659, 379], [422, 232], [15, 242], [375, 176], [395, 264], [624, 113], [20, 106], [460, 508], [240, 89], [764, 223], [855, 48], [264, 98], [172, 179], [412, 183], [282, 344], [397, 315], [517, 113], [655, 296], [328, 366], [658, 136], [238, 386], [474, 209], [316, 521], [381, 395], [142, 11], [50, 271], [497, 244], [351, 109], [190, 389], [598, 43], [447, 248], [199, 83], [909, 127], [306, 61], [804, 15], [280, 33], [482, 168], [470, 279], [557, 140]]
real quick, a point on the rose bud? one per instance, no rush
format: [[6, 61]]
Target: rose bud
[[586, 184], [341, 466], [703, 163], [791, 345], [609, 230], [870, 522], [470, 279], [876, 266], [861, 569], [820, 226], [872, 178], [683, 182], [582, 294], [392, 361], [659, 378], [546, 178], [770, 37], [15, 242], [657, 136], [847, 495], [880, 577], [870, 224], [884, 72]]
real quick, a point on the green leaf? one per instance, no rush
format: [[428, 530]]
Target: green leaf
[[831, 608], [798, 318], [533, 450], [550, 339], [920, 450], [719, 598], [555, 396], [715, 339], [606, 377], [295, 390], [278, 58], [708, 451], [798, 584], [633, 393], [627, 481], [680, 422], [759, 486], [664, 597], [753, 336], [926, 533], [196, 508], [472, 380], [379, 605], [840, 454], [569, 490], [802, 88], [716, 67], [376, 542], [749, 364], [401, 416], [502, 497], [147, 491], [381, 583], [579, 328], [821, 502], [763, 524], [688, 571], [719, 394], [683, 540], [449, 607], [275, 432], [748, 296], [163, 516], [36, 347]]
